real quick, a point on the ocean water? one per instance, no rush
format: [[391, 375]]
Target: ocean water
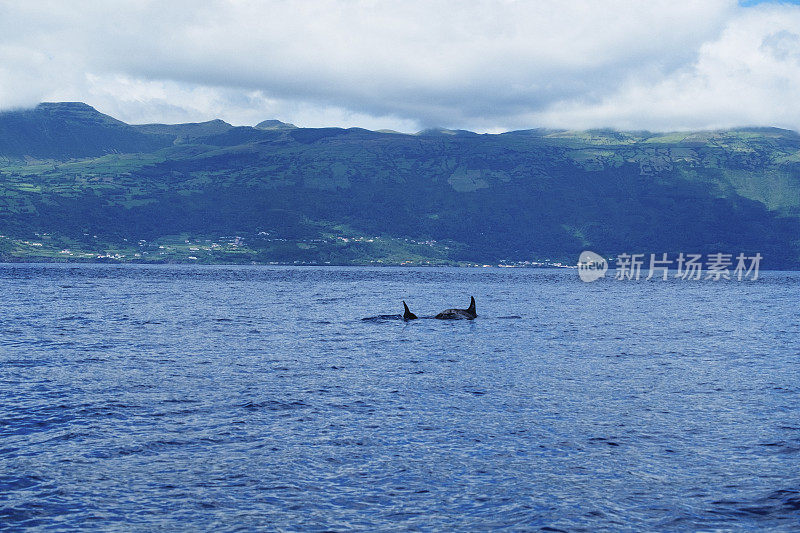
[[182, 398]]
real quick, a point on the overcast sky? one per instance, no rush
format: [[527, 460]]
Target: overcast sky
[[411, 64]]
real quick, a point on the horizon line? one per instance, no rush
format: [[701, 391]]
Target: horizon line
[[442, 129]]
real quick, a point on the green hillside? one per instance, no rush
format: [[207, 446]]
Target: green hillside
[[71, 129], [78, 185]]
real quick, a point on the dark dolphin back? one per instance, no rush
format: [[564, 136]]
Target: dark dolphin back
[[451, 314]]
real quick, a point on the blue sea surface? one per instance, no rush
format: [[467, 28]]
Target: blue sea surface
[[188, 398]]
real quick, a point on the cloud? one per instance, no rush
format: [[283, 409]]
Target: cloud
[[746, 76], [484, 65]]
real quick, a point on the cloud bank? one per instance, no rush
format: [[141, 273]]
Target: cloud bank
[[409, 64]]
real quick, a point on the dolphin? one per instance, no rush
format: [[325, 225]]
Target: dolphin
[[407, 314], [456, 314]]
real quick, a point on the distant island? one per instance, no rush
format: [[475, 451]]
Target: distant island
[[78, 185]]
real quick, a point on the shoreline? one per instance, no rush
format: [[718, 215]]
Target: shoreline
[[6, 262]]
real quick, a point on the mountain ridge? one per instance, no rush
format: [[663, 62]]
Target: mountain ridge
[[350, 195]]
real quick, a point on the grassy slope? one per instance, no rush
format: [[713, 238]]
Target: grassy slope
[[352, 196]]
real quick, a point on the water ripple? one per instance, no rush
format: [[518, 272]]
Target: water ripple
[[241, 398]]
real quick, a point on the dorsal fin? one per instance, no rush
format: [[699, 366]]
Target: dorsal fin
[[407, 314], [471, 308]]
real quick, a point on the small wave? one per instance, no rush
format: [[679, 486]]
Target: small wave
[[782, 446], [275, 405], [780, 504], [382, 318], [19, 482], [74, 317], [603, 440], [330, 299]]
